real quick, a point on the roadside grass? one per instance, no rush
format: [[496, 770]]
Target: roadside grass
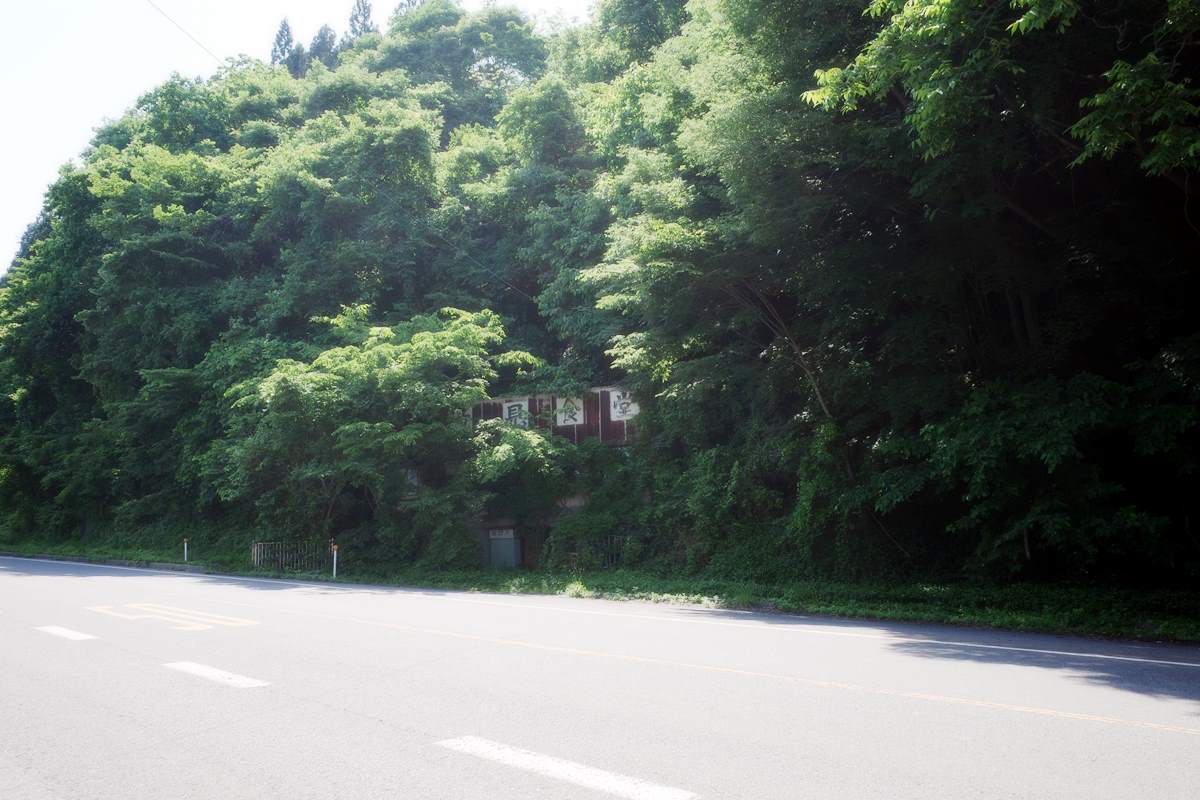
[[1147, 614], [93, 552]]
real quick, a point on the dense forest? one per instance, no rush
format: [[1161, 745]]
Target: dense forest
[[902, 290]]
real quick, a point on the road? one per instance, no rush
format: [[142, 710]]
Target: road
[[127, 684]]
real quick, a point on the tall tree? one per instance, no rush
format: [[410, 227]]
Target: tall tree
[[283, 43], [360, 20], [638, 26], [324, 47], [297, 61]]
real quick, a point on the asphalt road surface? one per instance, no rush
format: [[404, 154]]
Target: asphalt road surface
[[129, 684]]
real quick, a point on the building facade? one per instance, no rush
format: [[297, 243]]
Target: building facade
[[605, 413]]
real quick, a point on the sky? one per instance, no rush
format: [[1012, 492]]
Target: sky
[[68, 65]]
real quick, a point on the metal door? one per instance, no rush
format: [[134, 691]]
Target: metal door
[[502, 548]]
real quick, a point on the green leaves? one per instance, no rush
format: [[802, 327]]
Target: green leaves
[[1026, 460], [957, 71], [336, 440], [924, 312], [542, 123], [1040, 13], [1148, 108]]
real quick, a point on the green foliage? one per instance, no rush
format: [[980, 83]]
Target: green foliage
[[959, 63], [375, 436], [923, 314], [638, 26], [541, 123], [324, 47], [1146, 108], [284, 43], [360, 20], [1029, 485]]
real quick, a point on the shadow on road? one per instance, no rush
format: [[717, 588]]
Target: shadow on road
[[1123, 665], [26, 567], [1095, 661], [1142, 677]]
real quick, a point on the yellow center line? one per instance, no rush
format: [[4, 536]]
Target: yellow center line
[[796, 679]]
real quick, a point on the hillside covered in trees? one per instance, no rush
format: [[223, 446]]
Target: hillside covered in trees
[[903, 288]]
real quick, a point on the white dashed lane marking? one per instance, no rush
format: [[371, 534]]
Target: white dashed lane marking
[[567, 771], [216, 675], [65, 633]]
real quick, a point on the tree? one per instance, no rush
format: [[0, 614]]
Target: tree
[[407, 7], [34, 232], [298, 61], [372, 435], [541, 121], [961, 62], [638, 26], [324, 47], [282, 48], [923, 315], [360, 20]]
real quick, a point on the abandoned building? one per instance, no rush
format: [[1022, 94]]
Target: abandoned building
[[604, 413]]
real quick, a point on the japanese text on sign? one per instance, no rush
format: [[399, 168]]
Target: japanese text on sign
[[621, 405], [569, 411]]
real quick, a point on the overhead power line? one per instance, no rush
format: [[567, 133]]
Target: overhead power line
[[199, 43], [491, 270]]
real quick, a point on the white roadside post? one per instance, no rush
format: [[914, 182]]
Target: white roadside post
[[335, 549], [185, 549]]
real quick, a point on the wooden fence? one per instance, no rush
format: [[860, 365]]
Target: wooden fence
[[301, 556]]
